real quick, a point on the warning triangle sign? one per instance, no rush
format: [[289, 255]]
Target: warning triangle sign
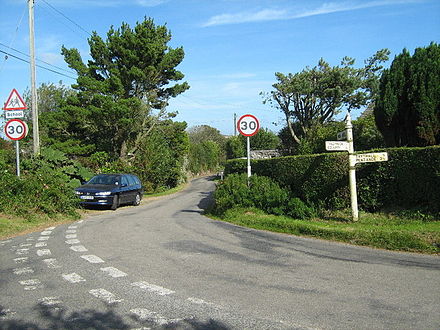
[[15, 102]]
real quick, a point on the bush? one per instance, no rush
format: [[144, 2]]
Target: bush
[[261, 193]]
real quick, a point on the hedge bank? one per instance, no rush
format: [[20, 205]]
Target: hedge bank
[[409, 179]]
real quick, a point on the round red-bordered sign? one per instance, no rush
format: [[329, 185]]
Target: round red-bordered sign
[[16, 129], [248, 125]]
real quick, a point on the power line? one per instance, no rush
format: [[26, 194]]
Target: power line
[[67, 18], [40, 66], [20, 52]]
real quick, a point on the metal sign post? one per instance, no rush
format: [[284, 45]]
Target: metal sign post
[[353, 159], [248, 126]]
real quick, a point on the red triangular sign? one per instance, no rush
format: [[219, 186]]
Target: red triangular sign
[[15, 102]]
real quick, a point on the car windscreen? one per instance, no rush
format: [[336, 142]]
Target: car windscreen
[[105, 179]]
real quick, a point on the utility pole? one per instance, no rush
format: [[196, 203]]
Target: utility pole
[[235, 124], [34, 105]]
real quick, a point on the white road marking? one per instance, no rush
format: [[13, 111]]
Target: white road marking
[[22, 251], [21, 260], [73, 278], [49, 301], [144, 314], [71, 231], [43, 238], [71, 236], [24, 270], [80, 221], [44, 252], [23, 245], [105, 296], [46, 232], [40, 244], [113, 272], [30, 239], [50, 228], [52, 263], [31, 284], [73, 241], [199, 301], [72, 227], [161, 291], [78, 248], [93, 259]]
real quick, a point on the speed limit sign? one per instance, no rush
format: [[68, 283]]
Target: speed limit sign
[[248, 125], [16, 129]]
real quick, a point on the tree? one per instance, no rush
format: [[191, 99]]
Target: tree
[[201, 133], [123, 90], [407, 110], [315, 95]]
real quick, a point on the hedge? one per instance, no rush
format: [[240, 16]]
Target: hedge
[[409, 179]]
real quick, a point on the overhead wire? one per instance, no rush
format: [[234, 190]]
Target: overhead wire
[[39, 66]]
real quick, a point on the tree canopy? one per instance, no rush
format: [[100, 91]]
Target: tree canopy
[[407, 110], [122, 91], [315, 95]]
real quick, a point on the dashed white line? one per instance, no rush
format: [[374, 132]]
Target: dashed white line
[[78, 248], [21, 260], [52, 263], [49, 301], [43, 238], [71, 231], [73, 241], [29, 239], [23, 245], [73, 278], [24, 270], [40, 244], [46, 232], [161, 291], [93, 259], [22, 251], [105, 296], [71, 236], [31, 284], [72, 227], [113, 272], [144, 314], [43, 252]]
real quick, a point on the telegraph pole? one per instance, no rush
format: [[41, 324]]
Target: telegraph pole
[[34, 105]]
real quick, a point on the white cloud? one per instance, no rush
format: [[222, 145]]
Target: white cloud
[[285, 14]]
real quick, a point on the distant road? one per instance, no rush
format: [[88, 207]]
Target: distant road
[[165, 265]]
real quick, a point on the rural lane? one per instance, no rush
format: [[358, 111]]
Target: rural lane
[[163, 265]]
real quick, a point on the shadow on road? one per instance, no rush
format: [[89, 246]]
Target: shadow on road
[[57, 318]]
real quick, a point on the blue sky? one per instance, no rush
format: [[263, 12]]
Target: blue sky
[[233, 47]]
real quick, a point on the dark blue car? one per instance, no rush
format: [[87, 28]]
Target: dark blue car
[[111, 190]]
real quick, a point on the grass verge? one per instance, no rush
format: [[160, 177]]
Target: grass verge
[[375, 230]]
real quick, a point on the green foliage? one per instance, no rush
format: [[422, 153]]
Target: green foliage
[[315, 95], [407, 110], [258, 192], [409, 179], [235, 148], [45, 187]]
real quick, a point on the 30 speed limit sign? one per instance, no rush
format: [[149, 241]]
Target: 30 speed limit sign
[[248, 125], [16, 129]]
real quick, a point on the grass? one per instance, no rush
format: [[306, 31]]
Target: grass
[[383, 231], [11, 225]]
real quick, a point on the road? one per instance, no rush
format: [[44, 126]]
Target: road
[[163, 265]]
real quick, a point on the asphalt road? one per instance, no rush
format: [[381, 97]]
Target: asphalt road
[[164, 265]]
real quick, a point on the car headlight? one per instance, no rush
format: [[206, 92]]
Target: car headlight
[[78, 192], [103, 193]]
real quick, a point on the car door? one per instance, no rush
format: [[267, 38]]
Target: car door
[[125, 195]]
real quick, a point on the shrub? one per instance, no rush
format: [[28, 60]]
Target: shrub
[[297, 209]]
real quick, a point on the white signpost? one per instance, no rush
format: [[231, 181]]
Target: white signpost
[[15, 129], [248, 126], [353, 159]]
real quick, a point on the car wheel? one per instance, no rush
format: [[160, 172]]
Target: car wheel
[[115, 203], [137, 199]]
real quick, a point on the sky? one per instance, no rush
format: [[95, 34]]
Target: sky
[[233, 48]]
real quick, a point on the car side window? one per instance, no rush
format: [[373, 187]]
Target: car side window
[[131, 180], [124, 181]]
